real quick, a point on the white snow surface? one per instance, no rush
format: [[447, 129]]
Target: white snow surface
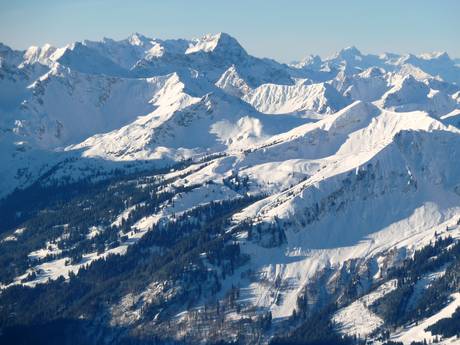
[[357, 319], [357, 155], [418, 333]]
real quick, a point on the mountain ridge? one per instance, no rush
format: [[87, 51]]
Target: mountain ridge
[[186, 191]]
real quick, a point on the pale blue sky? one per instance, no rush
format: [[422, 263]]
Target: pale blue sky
[[285, 30]]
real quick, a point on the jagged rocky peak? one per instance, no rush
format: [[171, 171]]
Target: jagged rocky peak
[[217, 43], [349, 53], [45, 54], [440, 56], [372, 72], [310, 61], [232, 83], [406, 90], [137, 39]]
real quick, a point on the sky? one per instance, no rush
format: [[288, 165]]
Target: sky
[[285, 30]]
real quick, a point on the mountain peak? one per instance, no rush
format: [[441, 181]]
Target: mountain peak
[[351, 49], [4, 47], [349, 53], [213, 42], [137, 39], [435, 55], [232, 83], [41, 54], [424, 58], [7, 53], [310, 61], [372, 72]]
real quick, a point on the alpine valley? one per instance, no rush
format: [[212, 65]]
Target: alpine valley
[[185, 192]]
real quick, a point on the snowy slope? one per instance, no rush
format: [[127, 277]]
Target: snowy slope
[[298, 99], [410, 94], [325, 144], [351, 187], [357, 319], [418, 333], [217, 123]]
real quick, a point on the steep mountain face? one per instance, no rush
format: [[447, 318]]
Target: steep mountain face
[[297, 99], [174, 192]]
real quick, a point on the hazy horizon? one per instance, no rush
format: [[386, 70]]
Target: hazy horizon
[[266, 29]]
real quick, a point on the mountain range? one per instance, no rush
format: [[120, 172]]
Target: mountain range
[[183, 191]]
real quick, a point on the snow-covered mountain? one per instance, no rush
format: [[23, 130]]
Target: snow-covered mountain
[[230, 197]]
